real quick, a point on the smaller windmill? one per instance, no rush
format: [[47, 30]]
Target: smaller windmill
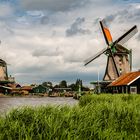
[[3, 70], [119, 58]]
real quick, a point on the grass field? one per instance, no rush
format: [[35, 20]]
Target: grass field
[[104, 117]]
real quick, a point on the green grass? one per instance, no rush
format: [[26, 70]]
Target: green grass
[[104, 117]]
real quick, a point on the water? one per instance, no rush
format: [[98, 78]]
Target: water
[[8, 103]]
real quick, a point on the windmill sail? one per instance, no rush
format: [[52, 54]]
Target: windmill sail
[[87, 61], [106, 32], [125, 37]]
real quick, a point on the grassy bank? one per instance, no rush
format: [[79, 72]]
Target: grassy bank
[[97, 117]]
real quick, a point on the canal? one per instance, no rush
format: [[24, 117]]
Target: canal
[[8, 103]]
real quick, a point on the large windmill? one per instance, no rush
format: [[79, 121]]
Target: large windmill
[[119, 58]]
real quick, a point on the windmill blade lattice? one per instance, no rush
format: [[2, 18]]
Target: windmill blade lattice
[[125, 37], [87, 61]]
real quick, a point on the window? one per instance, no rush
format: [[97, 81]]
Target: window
[[37, 90], [133, 89], [43, 90]]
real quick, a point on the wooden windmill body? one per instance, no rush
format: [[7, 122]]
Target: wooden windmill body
[[3, 70], [119, 60], [122, 60]]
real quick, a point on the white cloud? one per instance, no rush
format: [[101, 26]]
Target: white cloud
[[6, 10], [36, 46]]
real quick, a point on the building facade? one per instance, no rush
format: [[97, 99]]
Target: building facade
[[127, 83]]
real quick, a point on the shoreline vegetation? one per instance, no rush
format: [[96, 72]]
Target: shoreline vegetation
[[102, 117], [73, 94]]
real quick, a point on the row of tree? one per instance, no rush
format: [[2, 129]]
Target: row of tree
[[63, 84]]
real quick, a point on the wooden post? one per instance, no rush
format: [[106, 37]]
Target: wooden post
[[122, 89], [126, 89]]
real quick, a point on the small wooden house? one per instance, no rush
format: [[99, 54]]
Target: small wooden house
[[41, 89], [27, 88], [5, 89], [14, 85], [126, 83]]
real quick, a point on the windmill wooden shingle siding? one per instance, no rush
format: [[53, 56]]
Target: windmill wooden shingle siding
[[119, 57]]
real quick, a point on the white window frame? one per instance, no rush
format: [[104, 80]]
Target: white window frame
[[133, 88]]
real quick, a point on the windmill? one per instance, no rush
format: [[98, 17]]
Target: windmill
[[3, 70], [119, 58]]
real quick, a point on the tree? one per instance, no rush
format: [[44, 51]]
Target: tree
[[85, 88], [78, 84], [56, 86], [47, 84], [73, 87], [63, 84]]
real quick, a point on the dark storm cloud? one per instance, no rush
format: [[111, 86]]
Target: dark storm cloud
[[76, 29], [51, 5], [130, 14]]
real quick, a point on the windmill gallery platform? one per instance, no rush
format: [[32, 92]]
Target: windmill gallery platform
[[119, 63]]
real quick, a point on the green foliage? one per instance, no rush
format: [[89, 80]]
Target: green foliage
[[75, 86], [104, 117], [63, 84], [47, 84]]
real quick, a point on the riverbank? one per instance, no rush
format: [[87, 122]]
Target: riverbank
[[58, 94], [95, 117]]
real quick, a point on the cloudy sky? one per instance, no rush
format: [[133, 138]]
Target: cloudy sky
[[48, 40]]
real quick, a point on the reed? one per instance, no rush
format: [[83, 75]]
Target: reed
[[102, 117]]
